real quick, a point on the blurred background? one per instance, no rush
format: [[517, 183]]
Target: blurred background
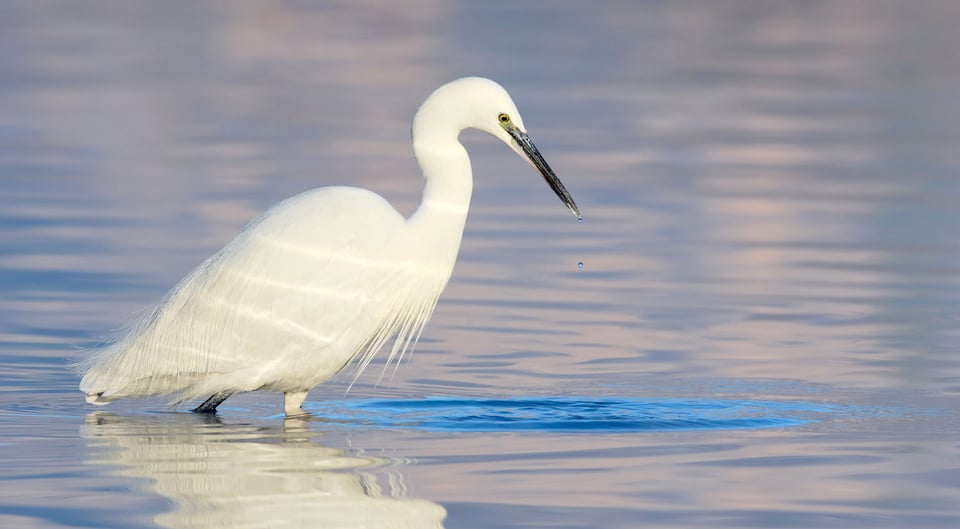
[[769, 192]]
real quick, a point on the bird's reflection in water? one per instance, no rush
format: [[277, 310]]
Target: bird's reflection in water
[[223, 475]]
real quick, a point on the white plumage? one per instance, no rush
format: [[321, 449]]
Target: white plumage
[[319, 280]]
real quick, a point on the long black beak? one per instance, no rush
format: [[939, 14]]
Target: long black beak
[[535, 158]]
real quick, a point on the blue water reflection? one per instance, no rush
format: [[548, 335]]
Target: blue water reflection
[[574, 414]]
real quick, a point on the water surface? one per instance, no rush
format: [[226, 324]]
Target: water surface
[[763, 332]]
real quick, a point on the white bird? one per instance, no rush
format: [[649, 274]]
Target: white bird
[[319, 280]]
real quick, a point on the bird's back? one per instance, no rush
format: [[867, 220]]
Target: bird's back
[[284, 305]]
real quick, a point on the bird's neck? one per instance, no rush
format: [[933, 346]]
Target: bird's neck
[[437, 225], [449, 183]]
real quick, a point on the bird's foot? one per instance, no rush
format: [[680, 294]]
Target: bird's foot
[[293, 403]]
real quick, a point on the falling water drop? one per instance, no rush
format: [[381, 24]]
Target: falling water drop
[[580, 265]]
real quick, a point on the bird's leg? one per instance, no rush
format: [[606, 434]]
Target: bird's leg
[[210, 405], [292, 402]]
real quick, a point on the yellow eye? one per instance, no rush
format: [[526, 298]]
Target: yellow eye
[[504, 119]]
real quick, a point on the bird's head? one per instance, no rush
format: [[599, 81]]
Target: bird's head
[[479, 103]]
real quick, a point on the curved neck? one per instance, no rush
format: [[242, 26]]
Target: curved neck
[[438, 222], [444, 161], [449, 179]]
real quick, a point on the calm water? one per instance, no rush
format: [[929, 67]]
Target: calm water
[[764, 332]]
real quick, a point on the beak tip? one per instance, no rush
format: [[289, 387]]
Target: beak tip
[[532, 155]]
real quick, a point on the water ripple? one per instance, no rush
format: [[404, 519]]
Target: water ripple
[[574, 414]]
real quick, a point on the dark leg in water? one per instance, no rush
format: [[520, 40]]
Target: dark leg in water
[[210, 405]]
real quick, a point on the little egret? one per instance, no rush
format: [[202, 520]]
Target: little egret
[[319, 280]]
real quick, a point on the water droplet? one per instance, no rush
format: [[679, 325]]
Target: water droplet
[[580, 220], [580, 265]]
